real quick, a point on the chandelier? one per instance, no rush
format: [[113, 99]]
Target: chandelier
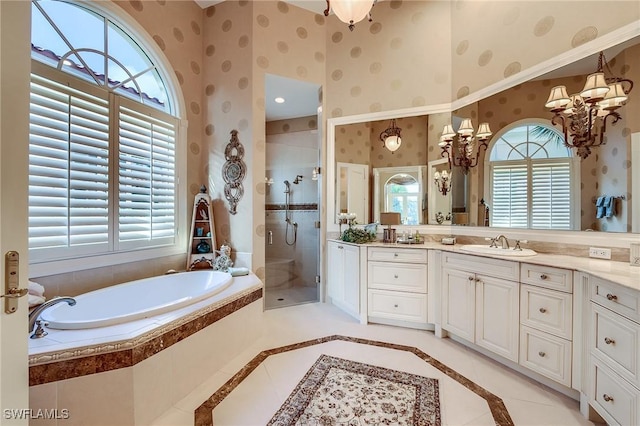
[[465, 144], [391, 137], [442, 181], [584, 115], [350, 11]]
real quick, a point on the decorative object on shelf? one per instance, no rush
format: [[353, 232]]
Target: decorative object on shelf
[[465, 144], [442, 181], [390, 218], [346, 218], [357, 235], [350, 11], [202, 240], [583, 116], [391, 137], [233, 172]]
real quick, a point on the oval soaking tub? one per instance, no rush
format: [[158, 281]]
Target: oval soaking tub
[[136, 300]]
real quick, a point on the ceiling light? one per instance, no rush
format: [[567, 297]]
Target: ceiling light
[[279, 100], [391, 137], [584, 115], [350, 11]]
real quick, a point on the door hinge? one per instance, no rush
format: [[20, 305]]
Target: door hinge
[[317, 224], [317, 279]]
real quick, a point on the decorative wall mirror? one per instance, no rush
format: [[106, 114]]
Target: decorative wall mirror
[[401, 190]]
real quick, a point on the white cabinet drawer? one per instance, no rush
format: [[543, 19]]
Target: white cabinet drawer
[[614, 399], [616, 340], [398, 276], [545, 276], [615, 297], [546, 310], [547, 355], [482, 265], [398, 305], [386, 254]]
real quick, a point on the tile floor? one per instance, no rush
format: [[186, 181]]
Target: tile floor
[[259, 396]]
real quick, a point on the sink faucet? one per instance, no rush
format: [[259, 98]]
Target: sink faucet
[[503, 239], [33, 315]]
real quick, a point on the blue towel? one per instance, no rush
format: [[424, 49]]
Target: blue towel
[[600, 208], [609, 206]]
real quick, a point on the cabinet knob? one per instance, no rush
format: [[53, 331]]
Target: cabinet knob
[[607, 398], [543, 276], [395, 276], [609, 341], [611, 296], [471, 278], [395, 254], [340, 247], [541, 354], [395, 306], [542, 310]]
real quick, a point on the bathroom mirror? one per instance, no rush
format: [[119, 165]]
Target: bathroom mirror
[[607, 171], [400, 190]]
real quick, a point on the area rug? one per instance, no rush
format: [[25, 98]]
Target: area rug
[[337, 391]]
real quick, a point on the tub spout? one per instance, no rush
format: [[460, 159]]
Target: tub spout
[[33, 315]]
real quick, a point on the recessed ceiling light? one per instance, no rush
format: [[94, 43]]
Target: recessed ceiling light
[[279, 100]]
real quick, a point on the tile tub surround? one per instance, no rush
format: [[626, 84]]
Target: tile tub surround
[[136, 385]]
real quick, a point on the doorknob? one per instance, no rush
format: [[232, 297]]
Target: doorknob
[[11, 282]]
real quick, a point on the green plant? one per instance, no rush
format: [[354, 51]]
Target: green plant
[[357, 235]]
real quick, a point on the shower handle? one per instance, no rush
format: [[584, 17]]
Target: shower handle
[[270, 238]]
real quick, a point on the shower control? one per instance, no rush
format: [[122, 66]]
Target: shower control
[[270, 237]]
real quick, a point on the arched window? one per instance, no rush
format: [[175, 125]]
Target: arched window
[[103, 137], [532, 178]]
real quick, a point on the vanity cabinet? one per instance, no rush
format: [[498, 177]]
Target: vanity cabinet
[[480, 302], [343, 275], [614, 352], [546, 321], [397, 286]]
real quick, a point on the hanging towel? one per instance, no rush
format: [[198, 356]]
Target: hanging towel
[[600, 207], [36, 289], [609, 206]]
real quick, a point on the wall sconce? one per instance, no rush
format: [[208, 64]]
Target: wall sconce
[[466, 144], [584, 115], [442, 181], [391, 137], [268, 181], [350, 11], [314, 173]]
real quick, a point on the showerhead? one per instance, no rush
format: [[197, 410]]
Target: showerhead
[[288, 187]]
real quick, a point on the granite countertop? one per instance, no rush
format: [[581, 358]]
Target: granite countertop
[[619, 272]]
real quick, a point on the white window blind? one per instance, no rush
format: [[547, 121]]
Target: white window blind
[[147, 177], [509, 192], [68, 168], [551, 196]]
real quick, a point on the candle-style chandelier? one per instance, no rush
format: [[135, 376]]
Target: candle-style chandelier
[[465, 144], [442, 181], [583, 116], [350, 11]]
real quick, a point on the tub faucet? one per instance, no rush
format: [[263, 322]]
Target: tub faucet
[[503, 239], [33, 315]]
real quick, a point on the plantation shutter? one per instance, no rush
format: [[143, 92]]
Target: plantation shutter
[[551, 196], [147, 178], [509, 196], [68, 168]]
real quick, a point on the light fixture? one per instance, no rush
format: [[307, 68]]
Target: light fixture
[[465, 144], [350, 11], [389, 218], [314, 173], [279, 100], [583, 116], [391, 137], [442, 181]]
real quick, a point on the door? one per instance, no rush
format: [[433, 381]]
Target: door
[[335, 271], [497, 318], [352, 190], [351, 279], [458, 302], [14, 135]]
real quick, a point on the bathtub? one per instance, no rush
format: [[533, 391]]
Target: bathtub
[[136, 300]]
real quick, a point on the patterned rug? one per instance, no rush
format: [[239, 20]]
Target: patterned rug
[[337, 391]]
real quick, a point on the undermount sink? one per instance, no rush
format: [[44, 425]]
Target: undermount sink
[[498, 251]]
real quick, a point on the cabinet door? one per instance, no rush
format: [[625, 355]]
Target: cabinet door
[[458, 302], [351, 279], [335, 271], [497, 319]]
